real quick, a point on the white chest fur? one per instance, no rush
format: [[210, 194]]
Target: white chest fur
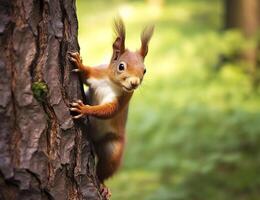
[[104, 91]]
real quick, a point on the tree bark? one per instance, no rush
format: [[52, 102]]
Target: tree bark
[[44, 154], [244, 15]]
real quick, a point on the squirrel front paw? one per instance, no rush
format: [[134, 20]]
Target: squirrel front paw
[[105, 192], [80, 108], [76, 59]]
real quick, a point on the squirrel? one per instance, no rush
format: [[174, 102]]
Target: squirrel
[[111, 87]]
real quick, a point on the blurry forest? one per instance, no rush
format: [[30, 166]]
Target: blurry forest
[[194, 124]]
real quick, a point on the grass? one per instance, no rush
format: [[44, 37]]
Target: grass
[[193, 129]]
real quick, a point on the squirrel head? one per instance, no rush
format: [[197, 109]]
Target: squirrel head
[[126, 67]]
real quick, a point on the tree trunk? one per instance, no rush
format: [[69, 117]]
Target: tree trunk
[[244, 15], [44, 154]]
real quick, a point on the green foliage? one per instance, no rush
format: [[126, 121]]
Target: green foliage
[[39, 90], [193, 129]]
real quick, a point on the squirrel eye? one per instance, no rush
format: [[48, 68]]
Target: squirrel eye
[[144, 71], [121, 67]]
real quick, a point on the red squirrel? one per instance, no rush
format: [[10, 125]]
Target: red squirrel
[[111, 87]]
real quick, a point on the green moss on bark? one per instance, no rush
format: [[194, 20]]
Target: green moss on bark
[[40, 91]]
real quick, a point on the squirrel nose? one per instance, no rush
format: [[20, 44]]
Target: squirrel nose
[[135, 82]]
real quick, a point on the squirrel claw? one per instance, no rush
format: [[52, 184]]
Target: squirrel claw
[[80, 102], [77, 116], [72, 52], [72, 59], [74, 55], [74, 109], [76, 70]]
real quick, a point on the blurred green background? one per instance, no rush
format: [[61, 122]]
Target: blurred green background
[[194, 124]]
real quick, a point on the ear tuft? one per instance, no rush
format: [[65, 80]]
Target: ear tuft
[[119, 43], [145, 38]]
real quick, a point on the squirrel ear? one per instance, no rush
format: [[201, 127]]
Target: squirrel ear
[[145, 38], [117, 48], [119, 43]]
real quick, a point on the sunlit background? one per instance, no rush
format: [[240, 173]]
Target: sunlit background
[[194, 125]]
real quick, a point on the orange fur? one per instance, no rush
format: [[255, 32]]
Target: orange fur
[[103, 111], [110, 90]]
